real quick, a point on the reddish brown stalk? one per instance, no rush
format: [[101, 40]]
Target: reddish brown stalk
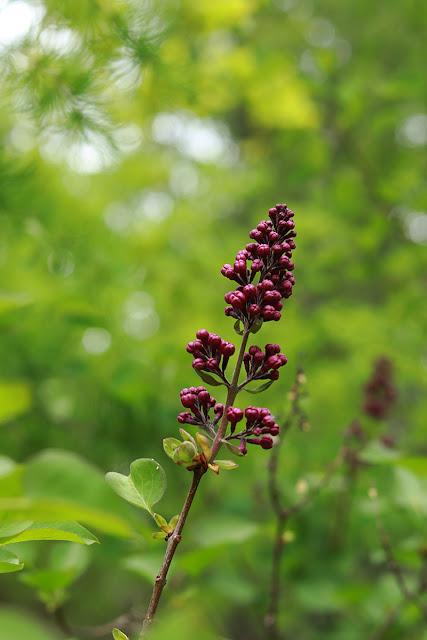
[[175, 538]]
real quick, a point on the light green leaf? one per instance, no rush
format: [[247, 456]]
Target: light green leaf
[[57, 480], [119, 635], [204, 444], [9, 562], [174, 521], [232, 448], [69, 531], [15, 398], [187, 451], [187, 436], [9, 529], [160, 521], [16, 509], [158, 535], [144, 486], [226, 464], [170, 444]]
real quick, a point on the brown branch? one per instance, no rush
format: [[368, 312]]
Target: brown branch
[[283, 514]]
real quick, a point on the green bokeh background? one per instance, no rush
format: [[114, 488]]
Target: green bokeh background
[[139, 144]]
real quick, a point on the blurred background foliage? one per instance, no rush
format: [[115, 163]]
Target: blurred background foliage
[[139, 143]]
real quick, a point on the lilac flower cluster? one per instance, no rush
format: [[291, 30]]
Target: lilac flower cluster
[[210, 352], [257, 298], [271, 255], [260, 424], [199, 401], [260, 427], [264, 366]]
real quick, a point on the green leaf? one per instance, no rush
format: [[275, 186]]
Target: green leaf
[[15, 398], [13, 510], [144, 486], [260, 389], [160, 521], [232, 448], [237, 328], [8, 529], [186, 452], [204, 444], [170, 445], [226, 464], [62, 485], [68, 531], [9, 562], [256, 325], [206, 377], [119, 635], [158, 535], [174, 521], [187, 436]]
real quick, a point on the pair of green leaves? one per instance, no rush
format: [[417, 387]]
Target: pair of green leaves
[[186, 453]]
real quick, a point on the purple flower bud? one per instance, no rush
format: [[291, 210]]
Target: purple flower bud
[[254, 310], [257, 431], [212, 364], [264, 250], [228, 271], [272, 349], [266, 285], [274, 362], [184, 417], [228, 349], [242, 446], [250, 291], [219, 408], [263, 226], [274, 430], [258, 358], [274, 375], [255, 235], [266, 442], [204, 397], [214, 340], [268, 312], [257, 265], [188, 400], [198, 364], [252, 414], [203, 335]]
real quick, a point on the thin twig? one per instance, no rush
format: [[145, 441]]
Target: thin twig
[[283, 514]]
